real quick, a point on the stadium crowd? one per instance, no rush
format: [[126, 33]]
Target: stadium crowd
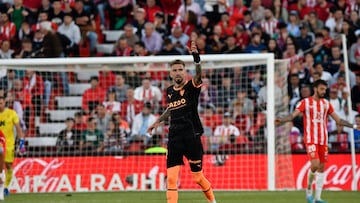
[[119, 106]]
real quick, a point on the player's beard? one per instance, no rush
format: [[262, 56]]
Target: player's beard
[[179, 80], [321, 95]]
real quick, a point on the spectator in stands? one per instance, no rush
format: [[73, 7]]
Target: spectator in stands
[[210, 119], [139, 21], [119, 12], [322, 8], [139, 49], [301, 7], [34, 85], [190, 23], [225, 93], [324, 75], [115, 139], [45, 6], [72, 32], [255, 46], [83, 19], [79, 123], [111, 104], [293, 24], [151, 8], [102, 118], [215, 9], [207, 94], [230, 46], [179, 39], [236, 11], [122, 48], [141, 123], [241, 120], [26, 50], [248, 23], [217, 40], [121, 123], [56, 15], [257, 81], [354, 55], [147, 92], [130, 107], [320, 52], [242, 38], [185, 6], [7, 29], [335, 21], [129, 35], [19, 13], [224, 133], [314, 24], [306, 39], [336, 100], [257, 11], [341, 72], [355, 94], [204, 27], [69, 138], [7, 82], [269, 23], [24, 32], [93, 96], [168, 48], [334, 60], [23, 96], [272, 47], [152, 39], [279, 11], [6, 52], [203, 47], [294, 87], [51, 43], [248, 104], [92, 139], [160, 26], [120, 88], [170, 8], [106, 78]]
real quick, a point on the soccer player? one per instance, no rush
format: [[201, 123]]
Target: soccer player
[[8, 120], [185, 127], [315, 110]]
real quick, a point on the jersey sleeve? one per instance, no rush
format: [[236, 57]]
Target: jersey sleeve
[[14, 117], [301, 106], [331, 108]]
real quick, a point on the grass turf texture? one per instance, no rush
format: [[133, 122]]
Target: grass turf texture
[[184, 197]]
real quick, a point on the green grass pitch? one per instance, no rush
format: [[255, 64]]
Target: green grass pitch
[[184, 197]]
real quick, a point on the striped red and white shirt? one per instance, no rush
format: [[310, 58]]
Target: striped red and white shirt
[[315, 118]]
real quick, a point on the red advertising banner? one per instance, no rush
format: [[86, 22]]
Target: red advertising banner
[[113, 173]]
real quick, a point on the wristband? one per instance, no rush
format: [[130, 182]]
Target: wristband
[[196, 57]]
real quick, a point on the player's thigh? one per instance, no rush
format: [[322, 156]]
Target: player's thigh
[[175, 153], [323, 153], [194, 153], [10, 155]]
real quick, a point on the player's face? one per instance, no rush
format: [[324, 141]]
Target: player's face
[[178, 73], [321, 91], [2, 103]]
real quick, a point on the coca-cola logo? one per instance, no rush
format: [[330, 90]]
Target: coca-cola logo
[[336, 176]]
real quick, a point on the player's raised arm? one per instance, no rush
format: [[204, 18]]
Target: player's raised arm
[[20, 134], [290, 117], [163, 117], [195, 53], [343, 122]]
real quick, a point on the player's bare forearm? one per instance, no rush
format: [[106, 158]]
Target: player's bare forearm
[[164, 116], [19, 131], [197, 77], [345, 123]]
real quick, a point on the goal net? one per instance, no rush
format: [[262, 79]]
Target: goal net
[[84, 123]]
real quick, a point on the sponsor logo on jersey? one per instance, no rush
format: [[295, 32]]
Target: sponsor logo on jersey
[[180, 102], [2, 123]]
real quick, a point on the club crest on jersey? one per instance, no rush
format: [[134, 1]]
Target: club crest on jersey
[[169, 95], [177, 103]]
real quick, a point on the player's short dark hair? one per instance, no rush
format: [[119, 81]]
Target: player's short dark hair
[[320, 82], [357, 116], [177, 61]]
